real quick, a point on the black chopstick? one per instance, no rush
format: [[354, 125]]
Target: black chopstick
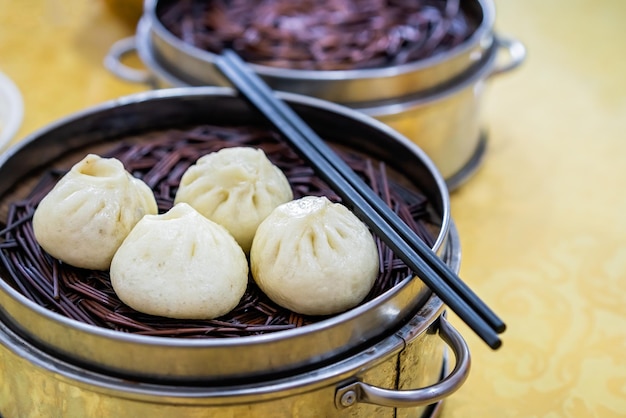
[[367, 205], [326, 152]]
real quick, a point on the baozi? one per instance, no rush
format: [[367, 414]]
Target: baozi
[[86, 216], [235, 187], [314, 257], [180, 265]]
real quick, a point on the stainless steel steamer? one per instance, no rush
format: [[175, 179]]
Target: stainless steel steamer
[[435, 102], [197, 66], [53, 366]]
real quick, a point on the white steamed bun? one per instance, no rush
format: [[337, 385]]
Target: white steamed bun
[[86, 216], [235, 187], [180, 265], [314, 257]]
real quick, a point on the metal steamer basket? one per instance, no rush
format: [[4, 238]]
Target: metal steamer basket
[[435, 102], [386, 357]]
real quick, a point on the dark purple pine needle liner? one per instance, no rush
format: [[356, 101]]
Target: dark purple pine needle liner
[[365, 204], [334, 35], [160, 158]]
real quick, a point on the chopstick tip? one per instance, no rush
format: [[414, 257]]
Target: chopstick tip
[[495, 345]]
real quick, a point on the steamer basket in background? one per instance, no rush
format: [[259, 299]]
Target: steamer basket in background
[[435, 101], [386, 357]]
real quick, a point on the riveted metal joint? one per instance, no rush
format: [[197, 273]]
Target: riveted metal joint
[[347, 396]]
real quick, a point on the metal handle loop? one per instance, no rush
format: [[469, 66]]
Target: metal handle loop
[[355, 392], [113, 63], [516, 52]]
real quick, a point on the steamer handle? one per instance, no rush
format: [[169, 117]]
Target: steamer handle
[[516, 52], [355, 392], [113, 63]]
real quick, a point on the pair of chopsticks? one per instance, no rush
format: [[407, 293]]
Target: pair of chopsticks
[[368, 206]]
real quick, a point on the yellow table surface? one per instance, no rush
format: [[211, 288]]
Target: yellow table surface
[[542, 223]]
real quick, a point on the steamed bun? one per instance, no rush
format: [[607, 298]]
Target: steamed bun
[[235, 187], [314, 257], [86, 216], [180, 265]]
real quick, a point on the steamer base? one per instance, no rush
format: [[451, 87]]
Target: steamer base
[[38, 384]]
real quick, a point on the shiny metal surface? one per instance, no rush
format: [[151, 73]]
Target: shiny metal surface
[[196, 66], [445, 122], [362, 392], [39, 384], [171, 359]]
